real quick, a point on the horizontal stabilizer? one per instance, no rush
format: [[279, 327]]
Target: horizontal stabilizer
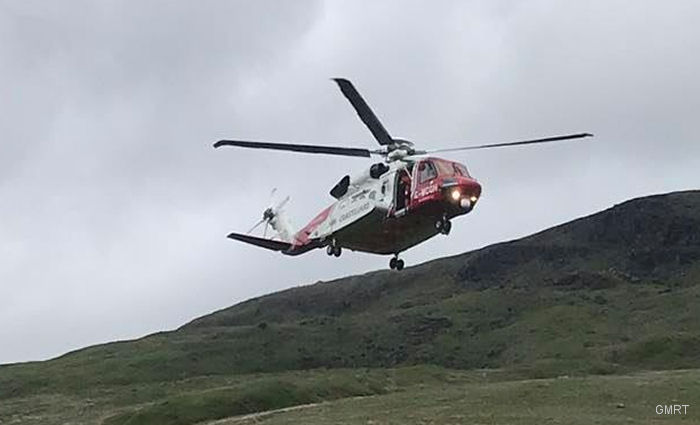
[[265, 243]]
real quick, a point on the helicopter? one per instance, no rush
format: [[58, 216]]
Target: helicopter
[[394, 204]]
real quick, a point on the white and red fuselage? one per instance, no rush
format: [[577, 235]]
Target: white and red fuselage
[[392, 212]]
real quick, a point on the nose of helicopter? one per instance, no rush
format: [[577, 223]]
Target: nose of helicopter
[[464, 193]]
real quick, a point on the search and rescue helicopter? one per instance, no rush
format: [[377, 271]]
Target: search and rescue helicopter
[[388, 208]]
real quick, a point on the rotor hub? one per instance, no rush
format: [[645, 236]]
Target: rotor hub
[[404, 145]]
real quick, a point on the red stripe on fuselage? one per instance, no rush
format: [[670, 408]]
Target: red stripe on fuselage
[[302, 237]]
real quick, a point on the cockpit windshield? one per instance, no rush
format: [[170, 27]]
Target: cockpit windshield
[[445, 168], [461, 170]]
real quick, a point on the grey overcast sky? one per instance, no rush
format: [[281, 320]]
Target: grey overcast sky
[[114, 206]]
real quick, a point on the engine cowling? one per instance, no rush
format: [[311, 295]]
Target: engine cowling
[[341, 188], [378, 169]]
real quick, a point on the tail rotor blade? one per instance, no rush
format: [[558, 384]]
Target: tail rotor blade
[[282, 204], [273, 192], [256, 225]]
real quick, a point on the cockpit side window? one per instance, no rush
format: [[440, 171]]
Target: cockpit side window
[[426, 171], [461, 170]]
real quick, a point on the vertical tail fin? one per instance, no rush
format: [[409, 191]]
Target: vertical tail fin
[[280, 223]]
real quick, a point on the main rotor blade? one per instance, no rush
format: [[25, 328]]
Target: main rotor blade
[[518, 143], [328, 150], [364, 111]]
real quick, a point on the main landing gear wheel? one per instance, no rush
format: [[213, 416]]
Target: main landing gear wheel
[[334, 250], [443, 226], [396, 264]]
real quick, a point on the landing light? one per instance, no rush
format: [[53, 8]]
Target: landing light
[[473, 199], [456, 195]]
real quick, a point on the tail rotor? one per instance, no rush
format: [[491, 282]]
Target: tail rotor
[[271, 217]]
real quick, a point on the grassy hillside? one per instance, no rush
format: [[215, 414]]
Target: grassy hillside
[[614, 292], [630, 399], [414, 395]]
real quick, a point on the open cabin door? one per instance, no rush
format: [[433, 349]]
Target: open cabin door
[[402, 192]]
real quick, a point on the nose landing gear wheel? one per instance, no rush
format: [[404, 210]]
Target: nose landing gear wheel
[[396, 264], [446, 227], [443, 226]]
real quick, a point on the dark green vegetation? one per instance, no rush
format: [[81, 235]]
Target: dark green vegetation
[[615, 292], [253, 395]]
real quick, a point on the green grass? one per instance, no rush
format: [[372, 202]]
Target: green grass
[[584, 400], [254, 395], [412, 395], [192, 400]]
